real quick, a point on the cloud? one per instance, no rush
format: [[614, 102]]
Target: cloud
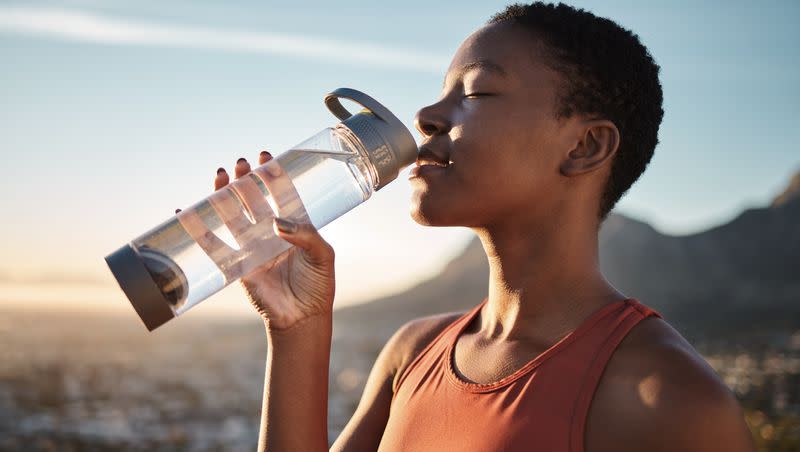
[[93, 28]]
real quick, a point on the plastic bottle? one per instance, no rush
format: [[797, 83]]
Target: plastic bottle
[[169, 269]]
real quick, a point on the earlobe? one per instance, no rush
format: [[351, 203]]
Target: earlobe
[[596, 147]]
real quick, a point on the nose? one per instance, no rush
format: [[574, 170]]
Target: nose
[[430, 120]]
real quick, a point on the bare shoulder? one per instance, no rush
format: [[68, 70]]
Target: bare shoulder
[[411, 338], [658, 393], [365, 428]]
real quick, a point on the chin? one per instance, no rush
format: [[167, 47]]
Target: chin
[[427, 214], [421, 219]]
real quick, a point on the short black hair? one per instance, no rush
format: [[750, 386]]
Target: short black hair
[[606, 72]]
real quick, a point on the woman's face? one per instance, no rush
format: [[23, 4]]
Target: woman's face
[[495, 121]]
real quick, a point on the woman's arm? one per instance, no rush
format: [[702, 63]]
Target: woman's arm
[[294, 294], [295, 407]]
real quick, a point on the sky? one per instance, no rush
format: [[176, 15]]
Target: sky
[[114, 113]]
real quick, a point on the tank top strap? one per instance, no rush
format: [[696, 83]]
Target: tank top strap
[[621, 325], [442, 339]]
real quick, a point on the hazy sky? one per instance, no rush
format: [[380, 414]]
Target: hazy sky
[[114, 113]]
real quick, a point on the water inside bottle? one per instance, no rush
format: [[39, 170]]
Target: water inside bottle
[[183, 272], [328, 184]]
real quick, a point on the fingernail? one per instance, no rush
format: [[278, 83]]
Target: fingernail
[[220, 170], [177, 210], [285, 226], [265, 154], [241, 159]]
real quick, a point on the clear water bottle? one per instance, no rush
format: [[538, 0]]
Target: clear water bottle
[[229, 234]]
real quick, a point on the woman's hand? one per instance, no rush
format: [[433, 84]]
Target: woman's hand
[[300, 283]]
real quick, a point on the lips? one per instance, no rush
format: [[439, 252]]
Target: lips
[[426, 170], [429, 156], [430, 162]]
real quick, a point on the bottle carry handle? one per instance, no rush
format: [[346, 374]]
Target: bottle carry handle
[[335, 106]]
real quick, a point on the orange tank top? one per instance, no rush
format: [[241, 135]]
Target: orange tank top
[[540, 407]]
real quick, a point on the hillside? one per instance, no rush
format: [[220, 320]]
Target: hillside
[[742, 277]]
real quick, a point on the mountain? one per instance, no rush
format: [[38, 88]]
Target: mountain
[[742, 277], [792, 192]]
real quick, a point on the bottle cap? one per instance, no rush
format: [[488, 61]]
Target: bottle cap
[[137, 283], [387, 140]]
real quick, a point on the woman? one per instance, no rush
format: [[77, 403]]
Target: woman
[[547, 116]]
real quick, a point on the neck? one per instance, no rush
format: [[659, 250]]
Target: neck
[[544, 278]]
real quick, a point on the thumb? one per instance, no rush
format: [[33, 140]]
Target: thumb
[[306, 237]]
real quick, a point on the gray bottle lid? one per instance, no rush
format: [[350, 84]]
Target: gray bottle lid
[[387, 140], [138, 285]]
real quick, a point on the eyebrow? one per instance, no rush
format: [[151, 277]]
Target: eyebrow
[[480, 64]]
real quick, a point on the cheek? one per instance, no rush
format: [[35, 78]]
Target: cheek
[[491, 145], [496, 171], [502, 160]]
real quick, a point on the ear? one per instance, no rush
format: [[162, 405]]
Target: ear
[[596, 146]]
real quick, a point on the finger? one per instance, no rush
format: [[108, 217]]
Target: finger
[[264, 157], [306, 237], [242, 167], [222, 179]]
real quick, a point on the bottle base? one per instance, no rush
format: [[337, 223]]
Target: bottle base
[[138, 284]]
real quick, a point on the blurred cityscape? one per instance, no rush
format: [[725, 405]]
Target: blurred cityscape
[[100, 381], [765, 376], [75, 381]]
